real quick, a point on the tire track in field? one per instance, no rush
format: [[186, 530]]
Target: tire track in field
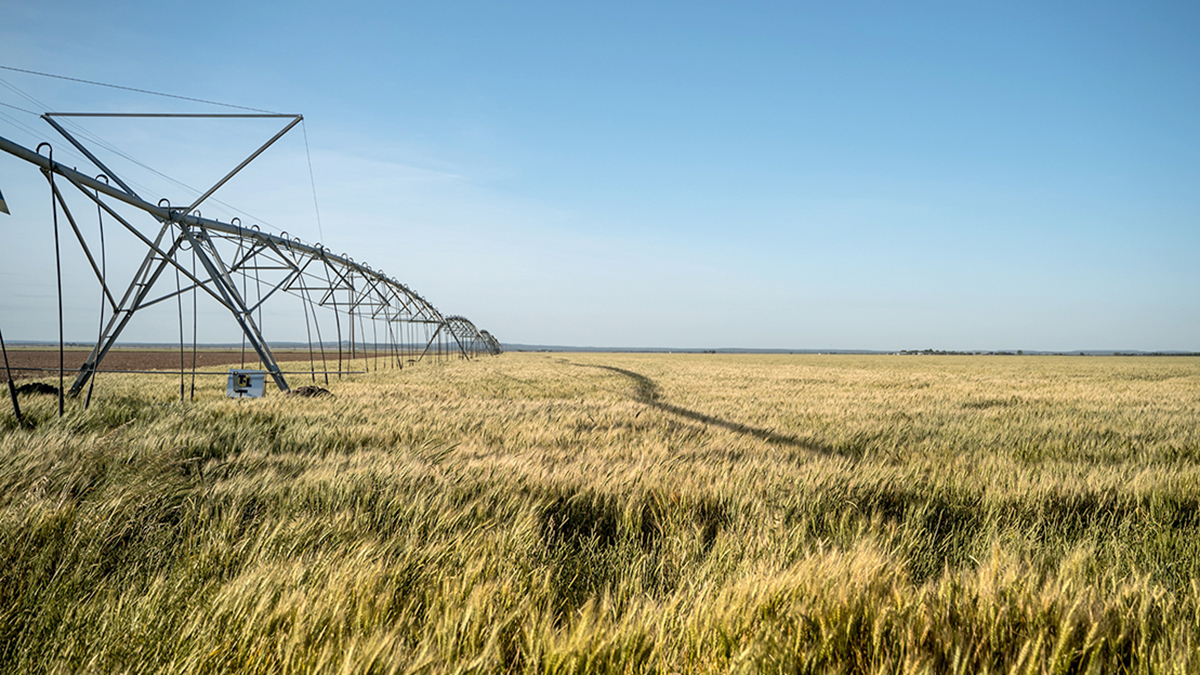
[[646, 391]]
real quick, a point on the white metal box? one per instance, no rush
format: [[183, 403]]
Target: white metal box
[[245, 383]]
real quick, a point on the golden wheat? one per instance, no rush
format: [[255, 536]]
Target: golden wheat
[[617, 513]]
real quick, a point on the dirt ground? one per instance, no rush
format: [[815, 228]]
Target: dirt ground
[[134, 359]]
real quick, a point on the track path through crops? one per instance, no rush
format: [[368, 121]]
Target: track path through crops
[[646, 391]]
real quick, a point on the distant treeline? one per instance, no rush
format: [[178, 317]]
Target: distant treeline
[[1021, 352]]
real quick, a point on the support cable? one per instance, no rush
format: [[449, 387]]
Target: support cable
[[195, 325], [311, 179], [316, 323], [307, 328], [100, 141], [87, 401], [336, 314], [242, 269], [394, 354], [23, 94], [139, 91], [258, 297], [350, 316], [58, 275], [12, 390], [389, 346], [179, 303], [7, 105], [362, 331]]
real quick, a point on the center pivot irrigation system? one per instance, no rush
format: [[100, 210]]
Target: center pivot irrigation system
[[242, 268]]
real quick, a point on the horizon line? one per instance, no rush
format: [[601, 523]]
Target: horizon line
[[525, 347]]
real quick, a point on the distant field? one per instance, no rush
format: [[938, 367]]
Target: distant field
[[41, 359], [595, 512]]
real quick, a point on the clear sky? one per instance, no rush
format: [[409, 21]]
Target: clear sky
[[994, 175]]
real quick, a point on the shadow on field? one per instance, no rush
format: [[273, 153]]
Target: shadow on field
[[646, 391]]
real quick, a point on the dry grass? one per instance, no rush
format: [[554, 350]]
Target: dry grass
[[617, 513]]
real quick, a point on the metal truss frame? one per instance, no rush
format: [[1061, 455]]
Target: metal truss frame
[[470, 339], [229, 251]]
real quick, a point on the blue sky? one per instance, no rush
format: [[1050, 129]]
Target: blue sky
[[991, 176]]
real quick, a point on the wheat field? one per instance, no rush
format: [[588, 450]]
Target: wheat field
[[616, 513]]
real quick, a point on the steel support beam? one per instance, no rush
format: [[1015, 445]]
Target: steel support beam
[[367, 290]]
